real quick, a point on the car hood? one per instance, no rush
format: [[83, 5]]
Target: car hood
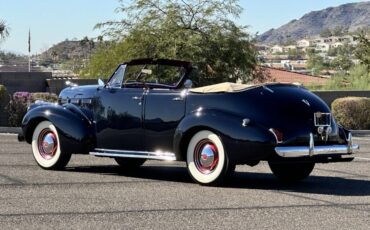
[[87, 91]]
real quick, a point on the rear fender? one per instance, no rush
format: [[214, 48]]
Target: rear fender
[[76, 131], [243, 143]]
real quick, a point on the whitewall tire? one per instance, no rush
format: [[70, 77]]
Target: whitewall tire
[[46, 147], [207, 161]]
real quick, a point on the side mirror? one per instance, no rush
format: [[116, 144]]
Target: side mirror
[[188, 84], [100, 82]]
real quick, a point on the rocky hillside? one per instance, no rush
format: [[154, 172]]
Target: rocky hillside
[[68, 50], [351, 17]]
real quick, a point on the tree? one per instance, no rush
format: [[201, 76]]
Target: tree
[[315, 62], [4, 30], [362, 51], [325, 33], [343, 59], [339, 31], [199, 31]]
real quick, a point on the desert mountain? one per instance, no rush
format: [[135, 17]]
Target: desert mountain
[[350, 17]]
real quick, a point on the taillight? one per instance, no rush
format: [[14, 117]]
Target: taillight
[[278, 135]]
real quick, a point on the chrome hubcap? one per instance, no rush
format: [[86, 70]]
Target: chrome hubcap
[[47, 144], [206, 156]]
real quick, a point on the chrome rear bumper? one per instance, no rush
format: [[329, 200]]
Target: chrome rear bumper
[[312, 150]]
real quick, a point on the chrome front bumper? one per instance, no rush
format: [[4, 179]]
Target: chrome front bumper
[[312, 150]]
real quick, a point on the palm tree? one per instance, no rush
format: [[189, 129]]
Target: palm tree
[[4, 30]]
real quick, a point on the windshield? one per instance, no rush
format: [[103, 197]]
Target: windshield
[[130, 75], [154, 74]]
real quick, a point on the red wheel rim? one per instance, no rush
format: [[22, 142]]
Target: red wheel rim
[[47, 144], [206, 156]]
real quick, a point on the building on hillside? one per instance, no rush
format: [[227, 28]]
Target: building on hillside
[[289, 48], [276, 49], [336, 44], [303, 43], [322, 47]]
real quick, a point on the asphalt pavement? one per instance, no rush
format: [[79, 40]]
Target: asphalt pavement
[[92, 193]]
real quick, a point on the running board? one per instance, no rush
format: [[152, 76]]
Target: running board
[[163, 156]]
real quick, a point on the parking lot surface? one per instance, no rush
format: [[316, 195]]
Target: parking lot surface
[[92, 193]]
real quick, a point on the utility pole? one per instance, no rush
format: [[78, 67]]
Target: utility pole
[[29, 50]]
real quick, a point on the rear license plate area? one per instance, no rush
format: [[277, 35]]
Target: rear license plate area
[[322, 119]]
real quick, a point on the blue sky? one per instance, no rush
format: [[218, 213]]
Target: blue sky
[[52, 21]]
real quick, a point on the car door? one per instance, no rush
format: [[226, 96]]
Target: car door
[[164, 109], [119, 115], [120, 123]]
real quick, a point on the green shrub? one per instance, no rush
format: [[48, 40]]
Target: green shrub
[[358, 78], [3, 93], [352, 112], [3, 101]]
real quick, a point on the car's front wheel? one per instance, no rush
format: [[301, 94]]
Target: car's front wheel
[[46, 147], [207, 160], [291, 172]]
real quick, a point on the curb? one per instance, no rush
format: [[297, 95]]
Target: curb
[[360, 133], [15, 130]]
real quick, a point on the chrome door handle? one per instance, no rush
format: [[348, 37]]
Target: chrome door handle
[[137, 98], [177, 99]]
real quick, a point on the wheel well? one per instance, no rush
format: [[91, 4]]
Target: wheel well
[[31, 127], [187, 136]]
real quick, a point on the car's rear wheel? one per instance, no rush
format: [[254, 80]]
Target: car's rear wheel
[[207, 161], [46, 147], [128, 164], [291, 172]]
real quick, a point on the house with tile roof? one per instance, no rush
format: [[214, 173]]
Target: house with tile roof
[[284, 76]]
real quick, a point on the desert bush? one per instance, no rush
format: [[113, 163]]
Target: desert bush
[[17, 107], [19, 103], [352, 112]]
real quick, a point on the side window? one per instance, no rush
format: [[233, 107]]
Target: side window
[[133, 73], [117, 78]]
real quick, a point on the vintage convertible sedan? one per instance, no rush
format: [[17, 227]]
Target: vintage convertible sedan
[[148, 110]]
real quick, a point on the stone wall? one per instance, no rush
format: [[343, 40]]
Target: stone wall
[[57, 85], [21, 81], [24, 81]]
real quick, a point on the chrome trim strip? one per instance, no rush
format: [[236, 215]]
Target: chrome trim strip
[[304, 151], [350, 143], [165, 156], [311, 150]]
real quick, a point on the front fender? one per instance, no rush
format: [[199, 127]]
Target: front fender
[[76, 131], [243, 144]]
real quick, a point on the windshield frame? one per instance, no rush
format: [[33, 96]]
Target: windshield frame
[[182, 78]]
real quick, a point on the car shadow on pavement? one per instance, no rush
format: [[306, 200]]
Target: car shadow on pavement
[[324, 185], [242, 180], [161, 173]]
